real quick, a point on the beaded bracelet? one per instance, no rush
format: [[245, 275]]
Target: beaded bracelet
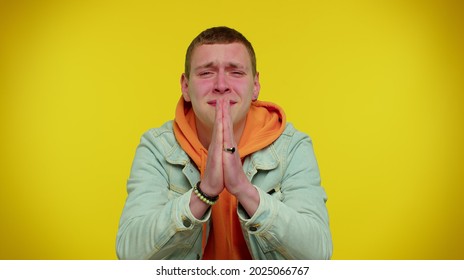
[[210, 200]]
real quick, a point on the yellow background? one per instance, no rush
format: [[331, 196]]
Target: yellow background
[[377, 84]]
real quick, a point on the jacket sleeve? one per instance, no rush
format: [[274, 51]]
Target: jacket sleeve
[[155, 223], [292, 223]]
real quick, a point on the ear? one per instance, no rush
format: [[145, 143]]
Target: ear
[[256, 87], [184, 87]]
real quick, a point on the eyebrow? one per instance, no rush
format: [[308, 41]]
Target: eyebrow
[[229, 65], [206, 65]]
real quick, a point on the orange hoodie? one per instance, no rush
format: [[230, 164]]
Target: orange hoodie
[[264, 124]]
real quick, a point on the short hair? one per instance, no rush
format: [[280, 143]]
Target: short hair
[[219, 35]]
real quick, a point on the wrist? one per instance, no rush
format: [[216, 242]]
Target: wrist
[[245, 190], [208, 199], [248, 197]]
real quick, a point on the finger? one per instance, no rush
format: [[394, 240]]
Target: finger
[[228, 127], [217, 126], [234, 176], [213, 180], [216, 139], [219, 137]]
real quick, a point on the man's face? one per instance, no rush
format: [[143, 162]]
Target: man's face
[[220, 71]]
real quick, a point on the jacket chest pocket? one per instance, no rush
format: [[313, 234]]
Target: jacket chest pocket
[[270, 182], [181, 180], [276, 193]]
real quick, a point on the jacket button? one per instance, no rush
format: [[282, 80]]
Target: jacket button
[[186, 222], [253, 228]]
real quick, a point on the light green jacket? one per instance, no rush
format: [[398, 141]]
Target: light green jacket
[[291, 221]]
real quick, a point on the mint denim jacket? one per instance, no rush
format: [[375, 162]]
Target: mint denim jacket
[[291, 221]]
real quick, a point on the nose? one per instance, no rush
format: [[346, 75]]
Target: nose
[[221, 84]]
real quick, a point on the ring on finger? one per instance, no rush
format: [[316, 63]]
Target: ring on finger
[[230, 150]]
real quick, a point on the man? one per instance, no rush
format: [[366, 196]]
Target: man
[[228, 178]]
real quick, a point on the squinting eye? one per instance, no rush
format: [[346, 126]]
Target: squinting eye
[[238, 73], [202, 74]]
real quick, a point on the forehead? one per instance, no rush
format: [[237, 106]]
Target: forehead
[[235, 53]]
